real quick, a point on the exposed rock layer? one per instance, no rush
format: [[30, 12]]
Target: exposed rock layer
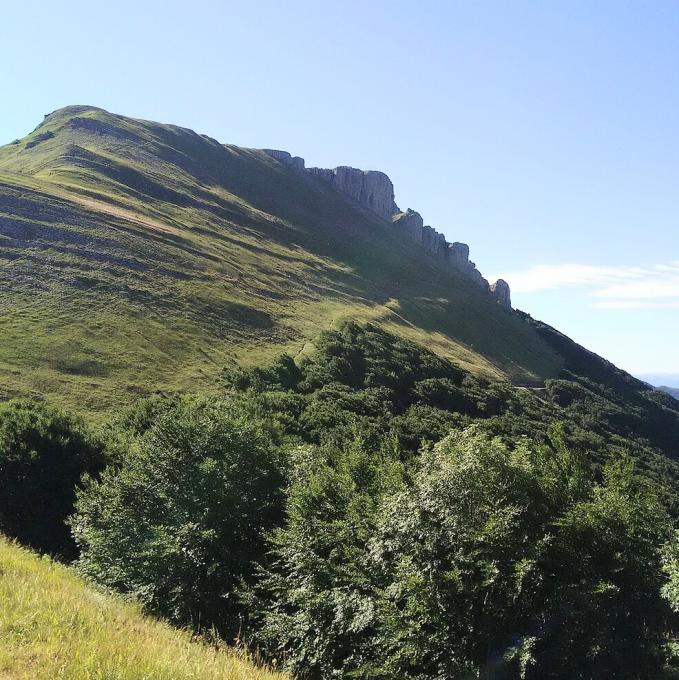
[[374, 190], [454, 255], [286, 158], [370, 188], [500, 291]]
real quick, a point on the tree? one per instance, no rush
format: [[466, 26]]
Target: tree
[[481, 560], [516, 563], [43, 454], [180, 522], [315, 602]]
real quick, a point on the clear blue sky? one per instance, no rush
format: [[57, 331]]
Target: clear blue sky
[[544, 134]]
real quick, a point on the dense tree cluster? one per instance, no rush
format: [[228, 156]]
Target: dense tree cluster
[[43, 454], [476, 561], [372, 510], [182, 517]]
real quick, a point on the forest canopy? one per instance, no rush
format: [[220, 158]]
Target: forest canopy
[[372, 510]]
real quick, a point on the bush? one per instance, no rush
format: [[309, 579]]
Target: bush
[[484, 561], [314, 605], [522, 565], [43, 454], [181, 521], [444, 394]]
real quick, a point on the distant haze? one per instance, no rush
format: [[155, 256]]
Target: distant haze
[[661, 379]]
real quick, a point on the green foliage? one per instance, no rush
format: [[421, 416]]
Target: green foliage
[[362, 357], [359, 378], [282, 373], [523, 560], [368, 576], [404, 551], [181, 519], [43, 454], [315, 606], [372, 510], [483, 560]]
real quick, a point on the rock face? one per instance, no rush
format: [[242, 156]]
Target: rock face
[[500, 291], [373, 190], [287, 159], [459, 254], [411, 222], [453, 255], [369, 188]]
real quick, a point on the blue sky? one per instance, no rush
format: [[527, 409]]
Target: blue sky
[[544, 134]]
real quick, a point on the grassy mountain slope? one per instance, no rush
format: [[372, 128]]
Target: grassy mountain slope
[[52, 625], [137, 256]]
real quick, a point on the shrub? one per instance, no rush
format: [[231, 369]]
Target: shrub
[[180, 522], [315, 602], [43, 454], [485, 561], [516, 563]]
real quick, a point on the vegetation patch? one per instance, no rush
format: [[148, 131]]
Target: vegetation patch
[[54, 625]]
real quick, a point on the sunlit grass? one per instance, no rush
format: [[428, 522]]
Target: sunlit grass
[[52, 625], [147, 258]]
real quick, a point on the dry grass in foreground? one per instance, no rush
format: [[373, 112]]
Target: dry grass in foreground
[[53, 625]]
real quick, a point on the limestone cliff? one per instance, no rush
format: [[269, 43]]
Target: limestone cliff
[[286, 158], [453, 255], [370, 188], [500, 291], [374, 191]]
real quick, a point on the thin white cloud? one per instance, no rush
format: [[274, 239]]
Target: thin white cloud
[[554, 276], [647, 289], [635, 304], [655, 287]]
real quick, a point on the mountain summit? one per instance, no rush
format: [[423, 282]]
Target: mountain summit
[[137, 255], [324, 369]]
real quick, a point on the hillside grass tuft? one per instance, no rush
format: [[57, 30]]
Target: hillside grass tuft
[[53, 625]]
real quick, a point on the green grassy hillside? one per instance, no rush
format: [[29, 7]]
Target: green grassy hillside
[[137, 256], [52, 625]]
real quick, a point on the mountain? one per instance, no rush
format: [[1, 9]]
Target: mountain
[[140, 256], [346, 378], [665, 382], [55, 625], [660, 379], [672, 391], [137, 256]]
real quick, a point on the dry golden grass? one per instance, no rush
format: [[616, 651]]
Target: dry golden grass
[[53, 625]]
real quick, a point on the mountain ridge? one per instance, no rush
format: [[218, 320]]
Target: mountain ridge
[[269, 350], [672, 391], [137, 256], [374, 190]]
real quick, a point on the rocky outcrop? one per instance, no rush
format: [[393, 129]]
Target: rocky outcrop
[[500, 291], [453, 255], [374, 191], [286, 158], [412, 224], [370, 188], [459, 254]]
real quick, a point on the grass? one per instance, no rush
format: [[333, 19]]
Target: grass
[[136, 256], [53, 625]]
